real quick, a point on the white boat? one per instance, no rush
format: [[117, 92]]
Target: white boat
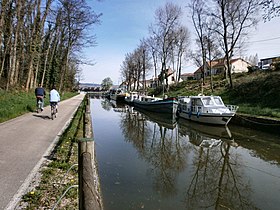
[[155, 104], [131, 97], [206, 109]]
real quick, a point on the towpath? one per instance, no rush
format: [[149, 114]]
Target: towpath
[[26, 141]]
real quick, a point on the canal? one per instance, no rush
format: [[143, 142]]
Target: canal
[[147, 161]]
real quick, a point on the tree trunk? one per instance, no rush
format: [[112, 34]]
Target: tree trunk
[[4, 6]]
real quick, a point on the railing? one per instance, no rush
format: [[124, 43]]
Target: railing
[[232, 108], [89, 198]]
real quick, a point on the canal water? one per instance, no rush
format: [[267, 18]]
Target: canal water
[[148, 161]]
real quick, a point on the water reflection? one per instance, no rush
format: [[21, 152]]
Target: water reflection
[[195, 166], [217, 179], [156, 139]]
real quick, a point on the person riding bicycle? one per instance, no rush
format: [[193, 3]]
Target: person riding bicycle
[[54, 97], [40, 95]]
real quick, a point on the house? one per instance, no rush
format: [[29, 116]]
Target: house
[[168, 76], [218, 67], [268, 63], [187, 76]]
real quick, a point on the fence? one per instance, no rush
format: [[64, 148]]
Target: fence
[[89, 197]]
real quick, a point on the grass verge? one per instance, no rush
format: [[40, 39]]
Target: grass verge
[[53, 180]]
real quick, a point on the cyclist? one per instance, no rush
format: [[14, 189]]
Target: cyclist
[[40, 95], [54, 97]]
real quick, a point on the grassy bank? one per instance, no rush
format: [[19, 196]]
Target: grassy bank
[[16, 103], [256, 94], [54, 181]]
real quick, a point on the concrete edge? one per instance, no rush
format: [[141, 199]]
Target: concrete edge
[[25, 185]]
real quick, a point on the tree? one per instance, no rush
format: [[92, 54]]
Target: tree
[[179, 49], [233, 19], [40, 41], [76, 17], [107, 83], [167, 21], [199, 18], [271, 9]]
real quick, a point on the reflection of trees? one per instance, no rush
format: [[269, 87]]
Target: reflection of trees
[[217, 181], [158, 145], [264, 145], [106, 105]]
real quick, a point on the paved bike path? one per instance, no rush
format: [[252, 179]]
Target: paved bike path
[[24, 143]]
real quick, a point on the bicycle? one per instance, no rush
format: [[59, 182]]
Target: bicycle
[[53, 110], [39, 105]]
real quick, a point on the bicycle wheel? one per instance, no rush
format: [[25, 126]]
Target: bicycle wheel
[[39, 106], [52, 112]]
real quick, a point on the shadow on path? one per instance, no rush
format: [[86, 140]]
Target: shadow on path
[[42, 116]]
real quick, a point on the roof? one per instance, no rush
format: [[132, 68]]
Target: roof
[[219, 63], [269, 58], [187, 74], [169, 72]]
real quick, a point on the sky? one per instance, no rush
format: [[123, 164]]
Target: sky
[[125, 22]]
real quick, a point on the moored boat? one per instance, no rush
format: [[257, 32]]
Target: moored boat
[[129, 99], [206, 109], [155, 104], [118, 95]]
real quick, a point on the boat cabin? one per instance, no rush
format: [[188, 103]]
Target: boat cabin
[[149, 98], [202, 104]]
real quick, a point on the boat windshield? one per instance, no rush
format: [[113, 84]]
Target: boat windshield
[[208, 101], [218, 101]]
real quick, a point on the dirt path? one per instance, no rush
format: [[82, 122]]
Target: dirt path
[[25, 142]]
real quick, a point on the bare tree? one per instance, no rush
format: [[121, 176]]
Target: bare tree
[[181, 43], [212, 48], [271, 9], [233, 20], [76, 18], [32, 52], [151, 42], [167, 20], [199, 18]]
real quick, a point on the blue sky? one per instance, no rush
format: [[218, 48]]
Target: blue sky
[[125, 22]]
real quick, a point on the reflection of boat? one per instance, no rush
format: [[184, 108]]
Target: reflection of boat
[[118, 106], [205, 135], [161, 119], [117, 95], [209, 143], [206, 109], [154, 104]]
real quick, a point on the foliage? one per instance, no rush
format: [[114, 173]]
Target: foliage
[[41, 41], [107, 83], [259, 89]]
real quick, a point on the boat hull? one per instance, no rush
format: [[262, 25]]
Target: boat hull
[[161, 106], [214, 119]]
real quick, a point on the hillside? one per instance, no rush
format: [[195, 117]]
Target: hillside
[[256, 93]]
